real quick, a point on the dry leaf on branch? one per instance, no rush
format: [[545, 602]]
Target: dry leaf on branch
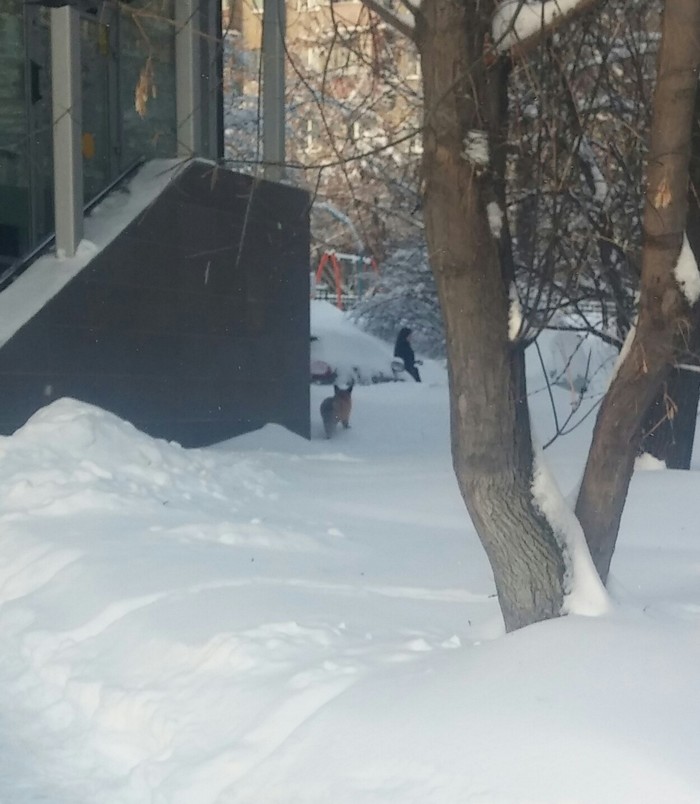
[[145, 88], [662, 197], [671, 407]]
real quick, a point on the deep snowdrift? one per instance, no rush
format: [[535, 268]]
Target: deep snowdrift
[[276, 620]]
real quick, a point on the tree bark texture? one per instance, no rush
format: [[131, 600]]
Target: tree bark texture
[[465, 112], [663, 324]]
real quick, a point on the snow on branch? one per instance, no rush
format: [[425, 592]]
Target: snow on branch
[[624, 351], [584, 591], [391, 18], [687, 367], [520, 24], [687, 274], [594, 174], [495, 215], [476, 147], [515, 314]]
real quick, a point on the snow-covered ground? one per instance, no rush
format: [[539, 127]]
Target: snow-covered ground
[[278, 620]]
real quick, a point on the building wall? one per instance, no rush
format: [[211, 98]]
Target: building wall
[[193, 324], [305, 20], [302, 18]]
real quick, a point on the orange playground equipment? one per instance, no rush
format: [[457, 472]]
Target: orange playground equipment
[[345, 276]]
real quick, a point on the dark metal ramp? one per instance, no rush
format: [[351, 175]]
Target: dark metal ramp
[[193, 324]]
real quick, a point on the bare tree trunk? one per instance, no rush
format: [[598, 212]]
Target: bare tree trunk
[[465, 122], [664, 311]]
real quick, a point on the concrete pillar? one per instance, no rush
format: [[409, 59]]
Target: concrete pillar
[[67, 128], [273, 55]]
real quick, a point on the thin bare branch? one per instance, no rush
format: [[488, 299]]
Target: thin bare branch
[[390, 18]]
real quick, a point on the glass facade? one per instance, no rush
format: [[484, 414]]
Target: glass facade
[[98, 142], [128, 106], [147, 81], [14, 134], [40, 146]]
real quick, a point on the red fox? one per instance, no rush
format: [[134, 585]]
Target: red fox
[[336, 409]]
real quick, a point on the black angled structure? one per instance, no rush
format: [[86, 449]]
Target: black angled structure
[[193, 323]]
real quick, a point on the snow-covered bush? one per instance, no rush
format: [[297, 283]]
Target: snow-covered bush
[[405, 296], [578, 361]]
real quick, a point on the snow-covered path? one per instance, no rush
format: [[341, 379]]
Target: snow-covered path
[[279, 621]]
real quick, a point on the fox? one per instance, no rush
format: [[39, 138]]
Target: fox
[[336, 409]]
